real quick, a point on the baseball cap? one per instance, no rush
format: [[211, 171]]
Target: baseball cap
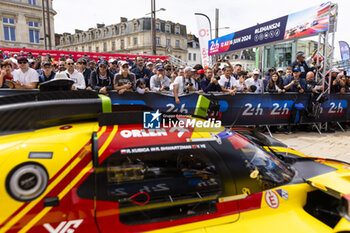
[[22, 58], [201, 71], [103, 62], [46, 63], [299, 54], [296, 69], [319, 58], [279, 69], [149, 63], [189, 68], [123, 63], [160, 68], [256, 71], [334, 70]]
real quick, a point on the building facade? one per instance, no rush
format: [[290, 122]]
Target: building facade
[[193, 51], [129, 37], [21, 24]]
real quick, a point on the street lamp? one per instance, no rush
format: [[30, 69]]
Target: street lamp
[[153, 24]]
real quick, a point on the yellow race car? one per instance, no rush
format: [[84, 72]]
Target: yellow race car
[[74, 163]]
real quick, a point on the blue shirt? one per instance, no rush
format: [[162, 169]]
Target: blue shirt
[[294, 88], [207, 86], [303, 68], [144, 73]]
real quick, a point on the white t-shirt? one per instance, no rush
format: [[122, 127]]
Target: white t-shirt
[[252, 81], [179, 80], [239, 86], [78, 78], [227, 83], [26, 78]]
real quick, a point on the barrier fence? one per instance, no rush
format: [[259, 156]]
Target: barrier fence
[[241, 109]]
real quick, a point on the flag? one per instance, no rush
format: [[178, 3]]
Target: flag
[[344, 50], [204, 35]]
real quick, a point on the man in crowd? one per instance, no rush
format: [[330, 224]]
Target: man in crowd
[[25, 77], [140, 71], [280, 72], [61, 66], [168, 70], [92, 65], [184, 84], [289, 73], [236, 70], [47, 73], [240, 83], [101, 78], [149, 66], [77, 77], [255, 80], [210, 82], [113, 66], [295, 83], [310, 83], [159, 82], [227, 82], [82, 68], [301, 63], [334, 80], [124, 80]]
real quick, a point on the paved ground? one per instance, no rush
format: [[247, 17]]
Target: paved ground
[[331, 145]]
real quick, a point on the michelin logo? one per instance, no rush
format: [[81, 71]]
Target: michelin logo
[[151, 120]]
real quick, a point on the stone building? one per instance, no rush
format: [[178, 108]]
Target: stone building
[[194, 52], [21, 24], [129, 37]]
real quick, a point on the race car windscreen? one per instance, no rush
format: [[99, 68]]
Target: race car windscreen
[[268, 170]]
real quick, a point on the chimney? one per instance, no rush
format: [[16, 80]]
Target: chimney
[[123, 19]]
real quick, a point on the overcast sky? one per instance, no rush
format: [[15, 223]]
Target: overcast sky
[[238, 15]]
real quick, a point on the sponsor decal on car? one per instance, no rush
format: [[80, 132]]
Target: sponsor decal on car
[[271, 199], [283, 193]]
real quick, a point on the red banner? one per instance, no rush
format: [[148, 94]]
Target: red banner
[[57, 54]]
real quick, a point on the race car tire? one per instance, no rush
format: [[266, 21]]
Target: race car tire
[[27, 181]]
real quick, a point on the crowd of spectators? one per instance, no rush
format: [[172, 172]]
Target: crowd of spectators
[[23, 71]]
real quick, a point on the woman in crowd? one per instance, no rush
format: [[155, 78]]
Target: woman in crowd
[[274, 84]]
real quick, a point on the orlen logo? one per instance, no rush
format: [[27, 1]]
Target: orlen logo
[[143, 133], [64, 227]]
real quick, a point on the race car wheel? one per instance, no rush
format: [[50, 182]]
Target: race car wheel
[[27, 181]]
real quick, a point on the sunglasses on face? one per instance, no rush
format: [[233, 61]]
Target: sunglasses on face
[[168, 69], [70, 64], [22, 62], [103, 67]]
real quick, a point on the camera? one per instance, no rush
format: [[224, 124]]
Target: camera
[[132, 85], [189, 83], [296, 82], [217, 77]]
